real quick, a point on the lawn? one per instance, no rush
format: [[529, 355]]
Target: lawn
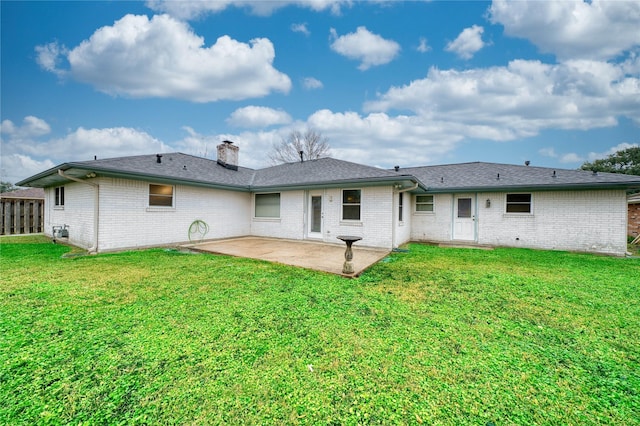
[[433, 336]]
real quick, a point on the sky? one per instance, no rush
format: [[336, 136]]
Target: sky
[[556, 83]]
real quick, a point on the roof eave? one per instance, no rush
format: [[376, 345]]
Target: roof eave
[[532, 188], [82, 170], [342, 183]]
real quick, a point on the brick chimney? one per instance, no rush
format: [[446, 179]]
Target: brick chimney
[[228, 155]]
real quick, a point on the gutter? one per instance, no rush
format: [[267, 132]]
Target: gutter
[[96, 208]]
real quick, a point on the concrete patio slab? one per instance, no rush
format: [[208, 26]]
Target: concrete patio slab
[[305, 254]]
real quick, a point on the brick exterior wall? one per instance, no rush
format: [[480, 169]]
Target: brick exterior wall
[[127, 221], [77, 213], [634, 220], [590, 221]]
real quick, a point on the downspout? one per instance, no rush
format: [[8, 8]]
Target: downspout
[[394, 215], [96, 208]]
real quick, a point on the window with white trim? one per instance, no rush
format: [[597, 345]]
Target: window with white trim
[[351, 204], [424, 203], [160, 195], [518, 203], [59, 191], [267, 205], [400, 206]]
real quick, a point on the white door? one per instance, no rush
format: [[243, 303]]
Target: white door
[[464, 217], [315, 215]]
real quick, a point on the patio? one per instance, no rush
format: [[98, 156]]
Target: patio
[[305, 254]]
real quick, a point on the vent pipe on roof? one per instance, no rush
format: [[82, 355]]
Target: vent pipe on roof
[[159, 158], [396, 168], [526, 163], [554, 173], [301, 156]]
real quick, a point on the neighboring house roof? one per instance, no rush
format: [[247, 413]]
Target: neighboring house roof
[[29, 193], [479, 176], [178, 168]]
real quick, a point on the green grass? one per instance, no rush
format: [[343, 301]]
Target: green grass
[[434, 336]]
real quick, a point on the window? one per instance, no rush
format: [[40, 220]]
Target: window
[[160, 195], [400, 206], [518, 203], [464, 208], [268, 205], [424, 203], [59, 196], [351, 204]]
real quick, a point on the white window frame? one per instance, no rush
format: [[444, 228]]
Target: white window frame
[[266, 195], [161, 196], [400, 206], [58, 197], [352, 204], [508, 203], [431, 203]]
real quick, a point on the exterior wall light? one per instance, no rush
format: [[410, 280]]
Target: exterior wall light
[[488, 203]]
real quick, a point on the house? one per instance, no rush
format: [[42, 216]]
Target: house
[[21, 211], [151, 200], [634, 215]]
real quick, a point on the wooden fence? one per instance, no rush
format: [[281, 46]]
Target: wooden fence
[[21, 216]]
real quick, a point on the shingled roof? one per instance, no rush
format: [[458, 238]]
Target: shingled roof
[[179, 168], [198, 171], [479, 176]]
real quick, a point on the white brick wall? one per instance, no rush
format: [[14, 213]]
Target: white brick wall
[[375, 225], [77, 212], [592, 221], [290, 225], [126, 221], [433, 226]]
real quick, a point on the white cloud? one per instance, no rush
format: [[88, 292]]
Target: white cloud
[[598, 29], [26, 151], [423, 47], [31, 127], [521, 99], [571, 158], [300, 28], [620, 147], [49, 57], [16, 167], [468, 42], [195, 9], [164, 58], [548, 152], [371, 49], [312, 83], [257, 116], [379, 137], [84, 144]]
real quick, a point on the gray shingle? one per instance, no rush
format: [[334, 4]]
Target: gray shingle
[[323, 170], [493, 176]]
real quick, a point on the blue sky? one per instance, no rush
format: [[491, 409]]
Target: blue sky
[[388, 82]]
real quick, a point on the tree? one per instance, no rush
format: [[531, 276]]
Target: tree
[[626, 161], [6, 186], [312, 145]]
